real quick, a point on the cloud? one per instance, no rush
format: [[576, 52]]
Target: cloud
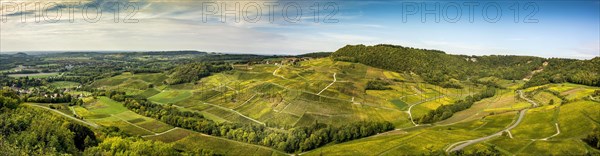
[[177, 24]]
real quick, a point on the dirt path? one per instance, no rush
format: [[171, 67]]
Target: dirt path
[[157, 134], [73, 110], [557, 132], [132, 124], [66, 115], [530, 75], [460, 145], [527, 99], [245, 101], [275, 72], [231, 110], [334, 80]]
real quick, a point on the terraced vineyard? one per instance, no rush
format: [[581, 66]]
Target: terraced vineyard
[[297, 95], [333, 92], [324, 106]]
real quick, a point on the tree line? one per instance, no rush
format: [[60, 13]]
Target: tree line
[[378, 85], [195, 71]]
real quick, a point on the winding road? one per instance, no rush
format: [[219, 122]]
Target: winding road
[[528, 100], [460, 145]]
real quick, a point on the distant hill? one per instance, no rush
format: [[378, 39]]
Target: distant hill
[[316, 54], [187, 52]]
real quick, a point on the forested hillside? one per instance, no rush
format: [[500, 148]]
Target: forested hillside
[[586, 72], [437, 67]]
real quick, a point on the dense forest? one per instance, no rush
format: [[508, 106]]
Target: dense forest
[[586, 72], [437, 67]]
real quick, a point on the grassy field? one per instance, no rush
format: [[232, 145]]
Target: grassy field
[[34, 75], [171, 96], [417, 141], [132, 84], [289, 96], [538, 124], [64, 84], [62, 107], [537, 133], [106, 112], [189, 140]]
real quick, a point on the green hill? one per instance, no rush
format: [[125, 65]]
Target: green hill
[[437, 67]]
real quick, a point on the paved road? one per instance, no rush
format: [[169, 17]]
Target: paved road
[[66, 115], [460, 145]]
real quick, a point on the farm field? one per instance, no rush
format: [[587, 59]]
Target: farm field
[[300, 78], [190, 140], [64, 84], [284, 96], [106, 112], [536, 134], [34, 75], [243, 110], [295, 95]]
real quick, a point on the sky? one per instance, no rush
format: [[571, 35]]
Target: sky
[[566, 29]]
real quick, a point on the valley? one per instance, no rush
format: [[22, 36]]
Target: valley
[[207, 104]]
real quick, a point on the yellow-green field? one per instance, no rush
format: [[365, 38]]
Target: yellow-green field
[[106, 112], [334, 92]]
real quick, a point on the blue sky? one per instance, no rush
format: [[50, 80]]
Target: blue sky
[[568, 29]]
